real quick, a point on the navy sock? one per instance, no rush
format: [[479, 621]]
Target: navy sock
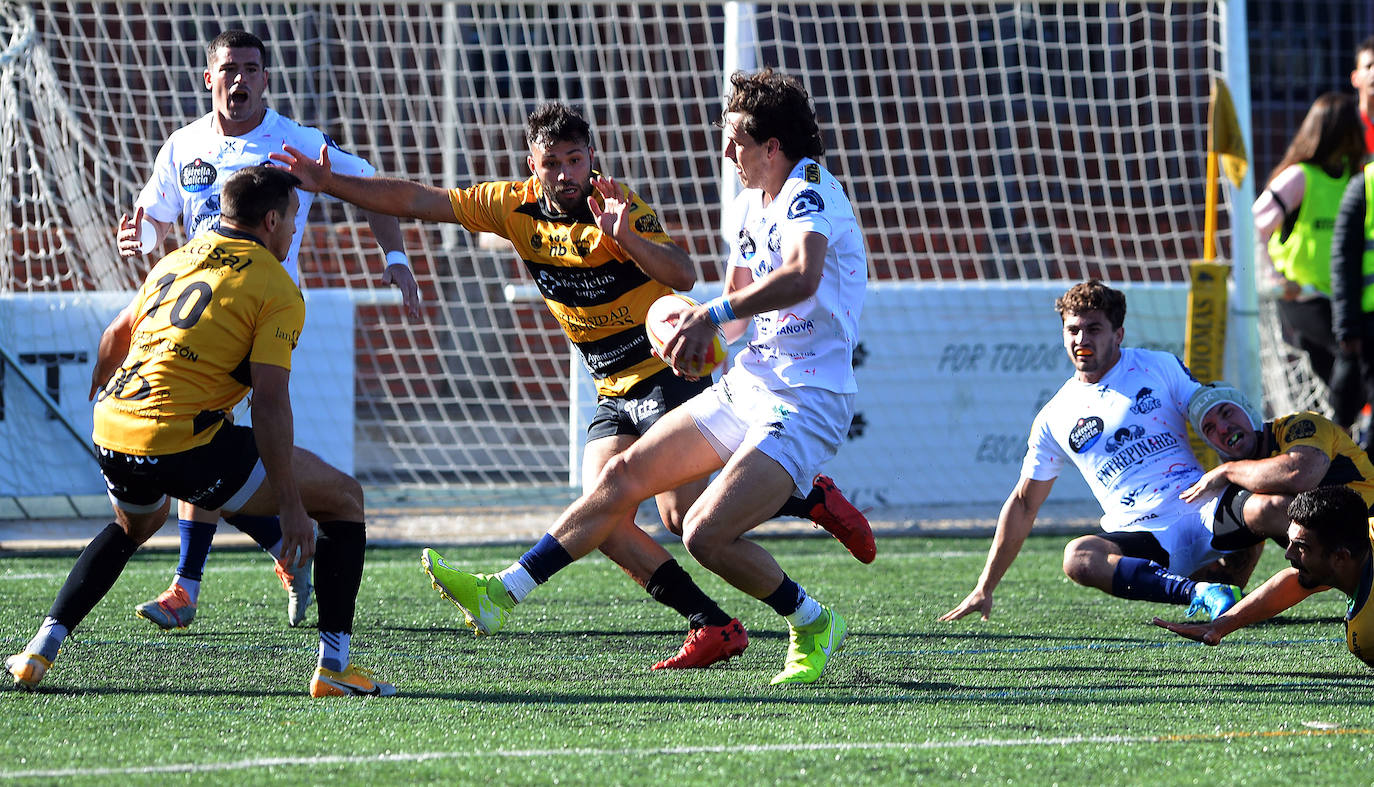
[[800, 507], [545, 559], [787, 598], [265, 530], [195, 547], [672, 587], [339, 550], [95, 572], [1146, 580]]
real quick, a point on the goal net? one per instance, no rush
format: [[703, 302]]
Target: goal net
[[995, 152]]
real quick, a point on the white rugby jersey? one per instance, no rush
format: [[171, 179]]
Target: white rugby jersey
[[195, 161], [1127, 434], [809, 343]]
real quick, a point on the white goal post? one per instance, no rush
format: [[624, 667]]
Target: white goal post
[[996, 152]]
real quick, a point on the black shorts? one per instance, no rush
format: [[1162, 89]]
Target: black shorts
[[642, 406], [209, 476], [1139, 543]]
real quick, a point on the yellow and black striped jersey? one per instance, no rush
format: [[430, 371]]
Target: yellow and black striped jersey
[[1350, 465], [1359, 616], [203, 314], [597, 293]]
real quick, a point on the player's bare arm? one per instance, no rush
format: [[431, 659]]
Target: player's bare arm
[[387, 230], [129, 238], [389, 196], [274, 433], [1298, 469], [1013, 525], [793, 282], [663, 262], [114, 346], [1279, 593]]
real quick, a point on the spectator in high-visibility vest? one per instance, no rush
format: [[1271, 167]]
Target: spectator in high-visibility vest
[[1294, 217], [1352, 276]]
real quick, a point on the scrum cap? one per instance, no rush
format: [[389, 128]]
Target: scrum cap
[[1213, 394]]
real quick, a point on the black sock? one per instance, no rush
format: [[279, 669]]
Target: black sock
[[787, 598], [338, 573], [672, 587], [800, 507], [95, 572]]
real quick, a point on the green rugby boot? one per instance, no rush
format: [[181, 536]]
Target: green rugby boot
[[483, 613], [811, 648]]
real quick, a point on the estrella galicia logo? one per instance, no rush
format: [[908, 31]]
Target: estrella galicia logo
[[746, 244], [199, 175], [1301, 429], [806, 202], [536, 241], [1145, 401], [1085, 433], [1124, 435], [648, 225]]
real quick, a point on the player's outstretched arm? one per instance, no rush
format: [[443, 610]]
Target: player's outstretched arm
[[274, 433], [1013, 525], [114, 346], [1281, 592], [389, 196]]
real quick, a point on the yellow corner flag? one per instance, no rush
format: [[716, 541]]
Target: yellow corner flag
[[1223, 134]]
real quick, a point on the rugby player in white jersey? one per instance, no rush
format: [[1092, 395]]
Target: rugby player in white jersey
[[798, 268], [188, 175], [1121, 419]]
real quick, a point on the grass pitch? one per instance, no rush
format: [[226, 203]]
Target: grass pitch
[[1063, 685]]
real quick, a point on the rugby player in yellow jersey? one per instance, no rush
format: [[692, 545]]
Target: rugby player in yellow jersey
[[1329, 546], [1265, 464], [213, 318], [599, 257]]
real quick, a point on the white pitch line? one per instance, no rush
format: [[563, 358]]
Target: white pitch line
[[278, 762]]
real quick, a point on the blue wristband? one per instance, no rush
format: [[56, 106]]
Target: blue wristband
[[720, 311]]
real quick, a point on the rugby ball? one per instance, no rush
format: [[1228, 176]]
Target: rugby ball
[[659, 328]]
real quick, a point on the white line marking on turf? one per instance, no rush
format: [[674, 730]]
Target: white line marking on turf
[[278, 762]]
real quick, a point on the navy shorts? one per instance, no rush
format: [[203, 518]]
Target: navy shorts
[[642, 406], [223, 471]]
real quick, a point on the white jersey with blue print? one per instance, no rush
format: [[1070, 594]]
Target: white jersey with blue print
[[194, 162], [809, 343], [1127, 434]]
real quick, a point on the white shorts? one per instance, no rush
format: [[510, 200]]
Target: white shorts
[[1187, 539], [799, 428]]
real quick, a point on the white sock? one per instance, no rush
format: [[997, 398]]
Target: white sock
[[334, 650], [48, 639], [191, 586], [809, 612], [517, 582]]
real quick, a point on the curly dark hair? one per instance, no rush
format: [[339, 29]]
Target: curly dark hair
[[555, 121], [776, 106], [1093, 296], [1336, 515]]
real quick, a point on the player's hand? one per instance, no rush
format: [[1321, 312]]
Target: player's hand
[[613, 212], [297, 538], [1351, 347], [401, 277], [128, 240], [314, 173], [1211, 481], [690, 342], [1205, 633], [976, 601]]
